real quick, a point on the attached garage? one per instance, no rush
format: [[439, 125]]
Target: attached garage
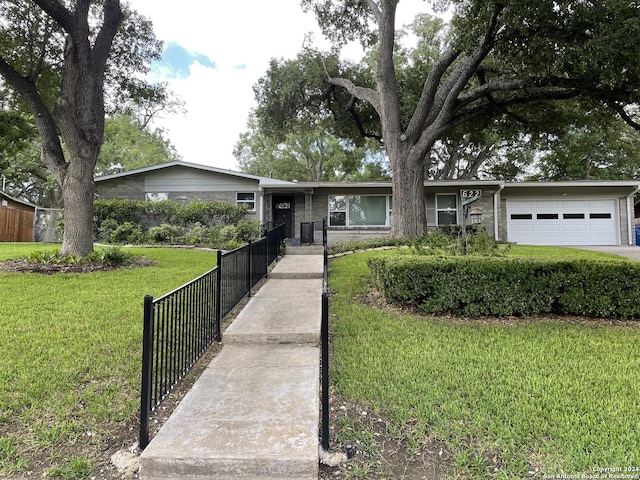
[[563, 222]]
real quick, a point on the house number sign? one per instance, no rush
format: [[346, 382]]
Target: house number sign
[[283, 206], [469, 196]]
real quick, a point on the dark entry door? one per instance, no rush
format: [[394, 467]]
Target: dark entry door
[[283, 213]]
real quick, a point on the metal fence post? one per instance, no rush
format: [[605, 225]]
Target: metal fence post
[[250, 272], [324, 334], [147, 360], [216, 329], [325, 370]]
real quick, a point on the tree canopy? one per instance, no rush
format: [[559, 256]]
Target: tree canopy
[[65, 64], [500, 61]]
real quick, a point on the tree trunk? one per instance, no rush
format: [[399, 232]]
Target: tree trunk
[[78, 195], [409, 214]]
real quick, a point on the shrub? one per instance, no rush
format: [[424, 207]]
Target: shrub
[[198, 235], [449, 241], [116, 211], [210, 213], [248, 230], [225, 237], [52, 258], [165, 233], [160, 213], [112, 256], [109, 214], [476, 286], [355, 245], [128, 232], [106, 229], [109, 256]]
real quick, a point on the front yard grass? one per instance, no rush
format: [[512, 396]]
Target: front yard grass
[[71, 352], [509, 398]]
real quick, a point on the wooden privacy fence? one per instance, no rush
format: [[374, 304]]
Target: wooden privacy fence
[[15, 225]]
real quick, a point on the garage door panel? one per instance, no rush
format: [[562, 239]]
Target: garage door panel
[[562, 222], [546, 226]]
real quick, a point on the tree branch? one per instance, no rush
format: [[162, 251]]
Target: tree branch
[[60, 14], [619, 109], [43, 118], [373, 6], [110, 25], [429, 91], [468, 66], [363, 93], [499, 106]]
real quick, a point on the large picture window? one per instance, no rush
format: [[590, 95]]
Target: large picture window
[[359, 210], [447, 209], [156, 196]]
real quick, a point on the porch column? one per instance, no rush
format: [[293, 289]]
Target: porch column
[[268, 210], [308, 206]]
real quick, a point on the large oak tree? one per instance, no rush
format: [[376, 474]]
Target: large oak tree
[[54, 58], [500, 55]]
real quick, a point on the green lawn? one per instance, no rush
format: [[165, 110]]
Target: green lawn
[[504, 397], [71, 350]]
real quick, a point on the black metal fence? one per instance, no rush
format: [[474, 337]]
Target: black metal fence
[[181, 325]]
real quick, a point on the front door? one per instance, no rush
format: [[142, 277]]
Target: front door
[[283, 213]]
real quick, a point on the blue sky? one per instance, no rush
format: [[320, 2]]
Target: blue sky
[[177, 61], [215, 50]]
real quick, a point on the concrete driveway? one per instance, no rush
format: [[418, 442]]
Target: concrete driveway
[[631, 252]]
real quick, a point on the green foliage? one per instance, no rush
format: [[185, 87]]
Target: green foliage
[[165, 233], [478, 286], [74, 468], [449, 240], [117, 211], [11, 460], [209, 213], [443, 241], [127, 233], [214, 224], [38, 70], [110, 256], [109, 213], [198, 235], [302, 129], [369, 243], [128, 145], [45, 257], [248, 230], [593, 145], [224, 237]]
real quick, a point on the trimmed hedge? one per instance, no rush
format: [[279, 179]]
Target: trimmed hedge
[[500, 286]]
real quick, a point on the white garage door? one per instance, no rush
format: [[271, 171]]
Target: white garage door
[[562, 222]]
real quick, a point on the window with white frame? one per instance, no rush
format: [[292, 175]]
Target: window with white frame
[[447, 209], [359, 210], [247, 198], [156, 196]]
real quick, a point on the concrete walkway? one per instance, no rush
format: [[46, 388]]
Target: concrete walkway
[[632, 252], [254, 412]]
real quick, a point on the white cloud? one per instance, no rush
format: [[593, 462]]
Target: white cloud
[[238, 37]]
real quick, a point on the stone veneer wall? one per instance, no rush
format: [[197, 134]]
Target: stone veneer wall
[[128, 187]]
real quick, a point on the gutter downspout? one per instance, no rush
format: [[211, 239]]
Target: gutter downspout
[[496, 216], [630, 214], [261, 205]]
